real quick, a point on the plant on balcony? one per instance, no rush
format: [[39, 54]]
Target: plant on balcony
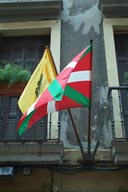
[[13, 77], [13, 73]]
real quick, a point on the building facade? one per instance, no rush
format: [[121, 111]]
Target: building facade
[[54, 155]]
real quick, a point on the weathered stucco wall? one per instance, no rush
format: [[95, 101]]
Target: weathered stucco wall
[[43, 180], [81, 22]]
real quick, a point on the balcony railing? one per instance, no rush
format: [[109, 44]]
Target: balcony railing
[[35, 146], [9, 117], [118, 101]]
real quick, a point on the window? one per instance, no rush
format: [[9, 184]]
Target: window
[[25, 51], [121, 46], [110, 26], [23, 43]]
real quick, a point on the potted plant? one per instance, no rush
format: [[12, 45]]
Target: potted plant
[[13, 79]]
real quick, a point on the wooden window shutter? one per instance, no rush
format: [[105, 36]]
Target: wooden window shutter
[[121, 44], [26, 51]]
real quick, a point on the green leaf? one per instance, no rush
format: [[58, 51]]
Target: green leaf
[[14, 73]]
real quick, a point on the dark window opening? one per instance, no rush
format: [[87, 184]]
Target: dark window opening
[[26, 51], [121, 44]]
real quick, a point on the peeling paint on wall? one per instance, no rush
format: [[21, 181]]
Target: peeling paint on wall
[[102, 123], [67, 131], [64, 127], [81, 21], [102, 95], [90, 18]]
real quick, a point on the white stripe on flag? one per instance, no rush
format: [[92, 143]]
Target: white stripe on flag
[[31, 109], [72, 64], [80, 76], [51, 107]]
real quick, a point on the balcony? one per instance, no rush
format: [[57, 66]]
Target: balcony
[[36, 146], [118, 100]]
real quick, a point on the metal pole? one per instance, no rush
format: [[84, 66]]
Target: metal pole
[[89, 134], [89, 117], [76, 133]]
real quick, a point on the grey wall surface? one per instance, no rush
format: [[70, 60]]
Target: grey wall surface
[[81, 22]]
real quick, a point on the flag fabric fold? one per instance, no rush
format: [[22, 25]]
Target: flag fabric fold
[[71, 88], [42, 76]]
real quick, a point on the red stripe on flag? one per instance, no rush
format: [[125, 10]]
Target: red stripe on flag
[[82, 86], [39, 113], [66, 103], [84, 63]]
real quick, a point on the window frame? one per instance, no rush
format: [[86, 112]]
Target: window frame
[[110, 25], [51, 27]]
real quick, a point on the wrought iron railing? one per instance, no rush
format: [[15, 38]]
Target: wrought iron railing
[[118, 102], [9, 116]]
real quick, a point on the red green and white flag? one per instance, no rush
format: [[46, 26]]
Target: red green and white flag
[[71, 88]]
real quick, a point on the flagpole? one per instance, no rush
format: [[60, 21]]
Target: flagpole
[[73, 123], [89, 118], [89, 134], [76, 133], [50, 116]]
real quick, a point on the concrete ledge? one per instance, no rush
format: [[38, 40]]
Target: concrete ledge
[[120, 152], [46, 9], [32, 152], [73, 155], [114, 8]]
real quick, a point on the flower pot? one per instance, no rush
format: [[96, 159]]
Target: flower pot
[[12, 90]]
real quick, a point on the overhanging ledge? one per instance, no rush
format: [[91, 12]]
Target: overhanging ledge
[[114, 8], [31, 153], [45, 9]]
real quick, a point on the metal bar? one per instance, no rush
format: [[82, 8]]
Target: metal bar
[[59, 127], [89, 117], [89, 135], [111, 114], [50, 125], [76, 133], [95, 150], [116, 88], [119, 89], [121, 111]]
